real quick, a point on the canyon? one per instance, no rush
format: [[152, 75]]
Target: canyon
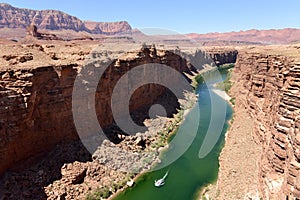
[[40, 150], [37, 82], [36, 117]]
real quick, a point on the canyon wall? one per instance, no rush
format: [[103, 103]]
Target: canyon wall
[[222, 56], [36, 99], [35, 111], [268, 82], [36, 102]]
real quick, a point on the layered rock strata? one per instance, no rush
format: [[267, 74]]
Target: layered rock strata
[[36, 86], [36, 102], [268, 84], [12, 17]]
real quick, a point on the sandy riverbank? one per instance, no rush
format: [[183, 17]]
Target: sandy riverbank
[[222, 94]]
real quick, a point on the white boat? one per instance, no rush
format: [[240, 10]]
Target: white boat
[[161, 182]]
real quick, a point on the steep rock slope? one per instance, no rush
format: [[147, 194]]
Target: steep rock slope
[[268, 79], [36, 85]]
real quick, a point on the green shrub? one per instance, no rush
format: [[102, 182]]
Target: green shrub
[[226, 84], [199, 79], [232, 100], [99, 193], [226, 66]]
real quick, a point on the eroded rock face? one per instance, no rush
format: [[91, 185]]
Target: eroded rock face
[[36, 116], [12, 17], [108, 28], [271, 86], [32, 31], [223, 56], [33, 104], [36, 104]]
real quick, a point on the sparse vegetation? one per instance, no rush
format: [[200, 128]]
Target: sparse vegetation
[[226, 84], [226, 66], [199, 79], [204, 197], [99, 193], [164, 135], [107, 191], [232, 100]]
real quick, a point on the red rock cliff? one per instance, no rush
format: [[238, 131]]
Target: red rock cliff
[[13, 17], [36, 102], [269, 83]]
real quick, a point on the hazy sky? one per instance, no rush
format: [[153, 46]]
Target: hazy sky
[[179, 15]]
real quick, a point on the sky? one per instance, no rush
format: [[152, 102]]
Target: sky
[[181, 16]]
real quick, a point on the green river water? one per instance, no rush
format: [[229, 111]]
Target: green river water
[[188, 173]]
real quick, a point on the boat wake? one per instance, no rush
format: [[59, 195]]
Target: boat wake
[[161, 182]]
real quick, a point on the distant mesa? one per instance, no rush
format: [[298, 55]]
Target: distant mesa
[[272, 36], [12, 17], [72, 28]]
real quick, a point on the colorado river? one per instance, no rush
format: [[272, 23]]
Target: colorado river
[[188, 173]]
